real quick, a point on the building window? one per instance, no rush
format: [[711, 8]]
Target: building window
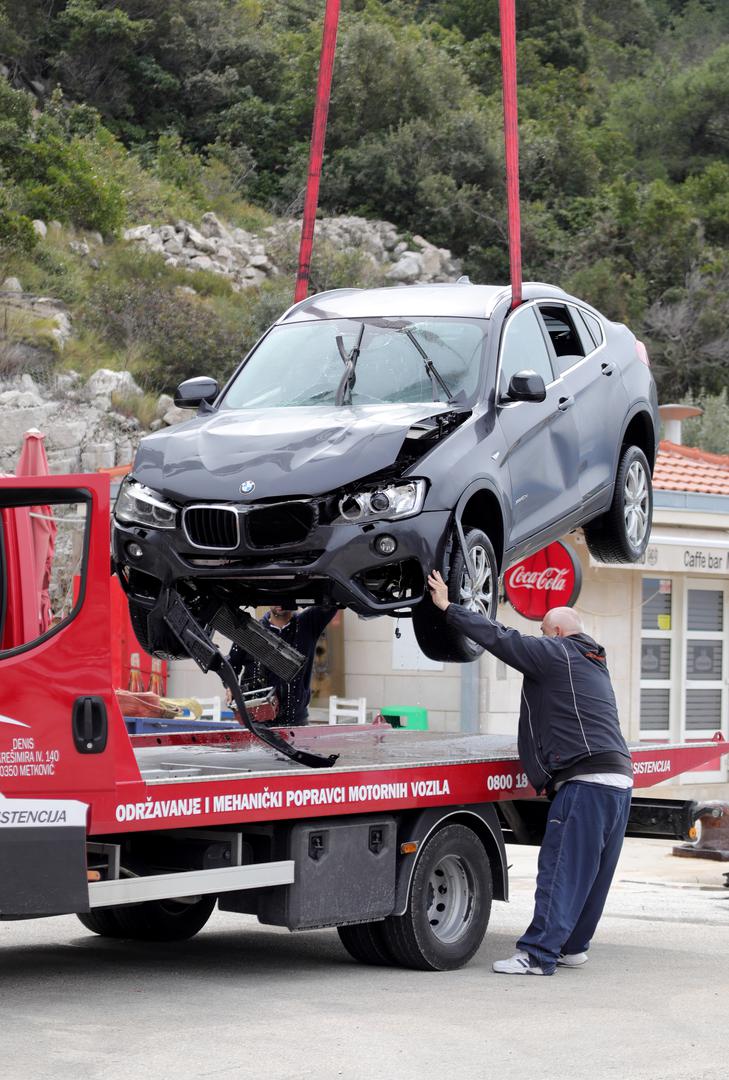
[[656, 655], [684, 663]]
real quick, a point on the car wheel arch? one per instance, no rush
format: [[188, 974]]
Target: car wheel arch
[[480, 507], [638, 431]]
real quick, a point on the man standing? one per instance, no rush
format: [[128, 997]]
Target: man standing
[[571, 747], [302, 630]]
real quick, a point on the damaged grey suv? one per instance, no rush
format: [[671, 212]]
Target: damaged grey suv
[[371, 435]]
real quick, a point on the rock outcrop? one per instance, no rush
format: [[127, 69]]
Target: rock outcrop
[[248, 260]]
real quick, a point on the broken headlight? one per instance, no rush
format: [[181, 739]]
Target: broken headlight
[[141, 505], [383, 503]]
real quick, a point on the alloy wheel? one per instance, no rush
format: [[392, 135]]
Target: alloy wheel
[[636, 504], [476, 594]]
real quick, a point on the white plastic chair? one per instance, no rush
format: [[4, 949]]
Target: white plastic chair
[[347, 710]]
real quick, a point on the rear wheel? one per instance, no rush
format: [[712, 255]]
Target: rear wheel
[[165, 920], [479, 593], [621, 535], [366, 942], [449, 903]]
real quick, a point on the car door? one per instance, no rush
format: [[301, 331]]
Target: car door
[[593, 380], [541, 437]]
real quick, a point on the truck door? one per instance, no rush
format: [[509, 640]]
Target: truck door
[[61, 731]]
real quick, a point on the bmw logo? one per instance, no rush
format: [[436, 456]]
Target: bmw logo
[[247, 487]]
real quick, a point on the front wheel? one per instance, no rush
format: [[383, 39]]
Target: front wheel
[[439, 640], [621, 534], [449, 904]]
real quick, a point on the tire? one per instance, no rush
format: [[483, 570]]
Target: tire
[[621, 534], [164, 920], [101, 921], [436, 638], [366, 942], [449, 903]]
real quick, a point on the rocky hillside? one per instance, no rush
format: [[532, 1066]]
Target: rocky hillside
[[94, 419]]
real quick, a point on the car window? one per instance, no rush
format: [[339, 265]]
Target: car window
[[303, 363], [565, 341], [583, 331], [524, 348], [593, 325]]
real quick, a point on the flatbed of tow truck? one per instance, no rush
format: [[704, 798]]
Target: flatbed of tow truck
[[400, 844]]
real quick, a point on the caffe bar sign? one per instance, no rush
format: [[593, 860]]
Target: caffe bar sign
[[675, 555]]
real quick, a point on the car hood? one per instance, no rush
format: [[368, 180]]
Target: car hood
[[285, 452]]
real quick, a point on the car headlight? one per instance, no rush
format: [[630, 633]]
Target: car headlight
[[384, 503], [142, 506]]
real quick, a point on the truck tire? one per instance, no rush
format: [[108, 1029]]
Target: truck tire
[[101, 921], [165, 920], [366, 942], [449, 903], [621, 535], [436, 638]]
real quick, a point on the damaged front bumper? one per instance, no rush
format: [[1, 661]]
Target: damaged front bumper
[[372, 568]]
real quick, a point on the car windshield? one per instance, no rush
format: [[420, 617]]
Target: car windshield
[[362, 362]]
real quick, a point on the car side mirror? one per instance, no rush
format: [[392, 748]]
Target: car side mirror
[[191, 393], [526, 386]]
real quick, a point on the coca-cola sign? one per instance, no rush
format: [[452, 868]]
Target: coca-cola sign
[[551, 578]]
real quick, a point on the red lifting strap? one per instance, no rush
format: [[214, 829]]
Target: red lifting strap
[[316, 153], [507, 18]]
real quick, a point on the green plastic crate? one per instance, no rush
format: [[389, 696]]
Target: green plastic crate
[[409, 717]]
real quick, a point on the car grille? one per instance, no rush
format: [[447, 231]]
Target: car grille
[[212, 527], [280, 524]]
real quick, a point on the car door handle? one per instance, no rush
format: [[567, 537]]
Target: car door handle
[[607, 369], [565, 403]]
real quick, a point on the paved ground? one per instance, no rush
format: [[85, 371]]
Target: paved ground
[[244, 1001]]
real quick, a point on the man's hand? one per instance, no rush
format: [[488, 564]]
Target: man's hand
[[438, 590]]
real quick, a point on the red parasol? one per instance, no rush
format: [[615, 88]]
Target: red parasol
[[20, 624], [33, 462]]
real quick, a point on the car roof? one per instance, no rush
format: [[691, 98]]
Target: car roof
[[455, 299]]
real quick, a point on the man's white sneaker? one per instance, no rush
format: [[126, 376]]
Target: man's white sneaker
[[573, 959], [517, 965]]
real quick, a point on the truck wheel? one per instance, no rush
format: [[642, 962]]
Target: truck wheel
[[449, 904], [621, 535], [436, 638], [101, 921], [366, 942], [165, 920]]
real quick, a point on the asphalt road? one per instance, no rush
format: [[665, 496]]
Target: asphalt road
[[243, 1001]]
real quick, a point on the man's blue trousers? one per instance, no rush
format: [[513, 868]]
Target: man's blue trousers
[[585, 828]]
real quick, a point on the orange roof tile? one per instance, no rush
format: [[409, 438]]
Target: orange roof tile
[[686, 468]]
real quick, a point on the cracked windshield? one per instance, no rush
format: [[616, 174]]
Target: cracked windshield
[[350, 361]]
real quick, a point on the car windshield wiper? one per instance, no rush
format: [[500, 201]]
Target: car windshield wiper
[[435, 376], [346, 385]]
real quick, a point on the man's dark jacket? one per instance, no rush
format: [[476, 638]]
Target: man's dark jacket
[[568, 723], [303, 630]]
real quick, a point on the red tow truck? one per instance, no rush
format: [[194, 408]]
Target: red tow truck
[[400, 844]]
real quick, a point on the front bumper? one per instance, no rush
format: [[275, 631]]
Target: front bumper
[[336, 564]]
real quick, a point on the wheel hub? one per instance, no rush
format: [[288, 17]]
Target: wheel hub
[[476, 593], [636, 504], [450, 899]]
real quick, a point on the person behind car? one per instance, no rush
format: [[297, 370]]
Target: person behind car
[[571, 746], [302, 629]]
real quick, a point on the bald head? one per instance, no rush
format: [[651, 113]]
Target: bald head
[[562, 622]]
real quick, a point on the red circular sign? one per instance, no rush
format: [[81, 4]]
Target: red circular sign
[[551, 578]]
